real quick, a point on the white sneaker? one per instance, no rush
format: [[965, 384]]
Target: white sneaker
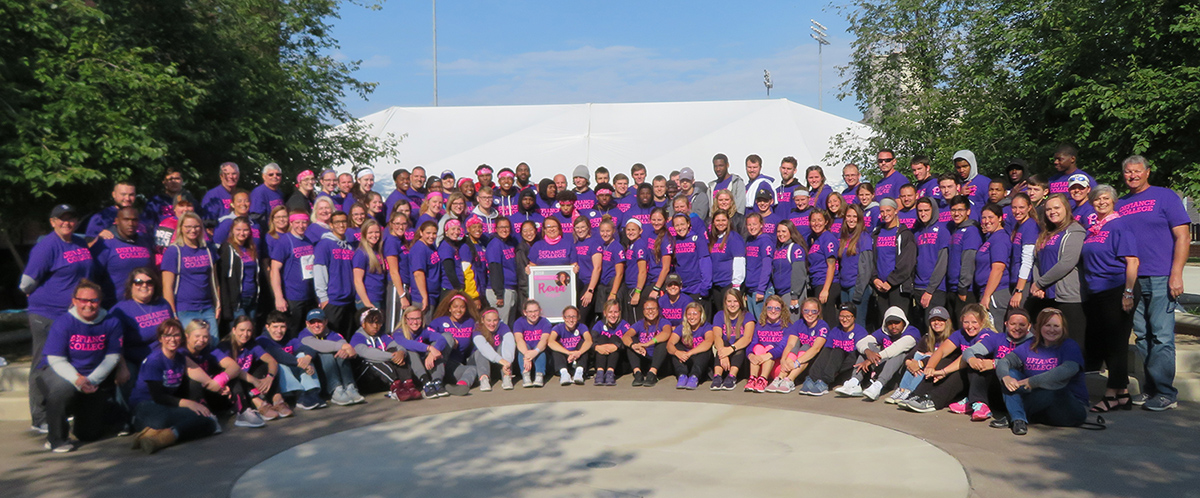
[[564, 377], [773, 387], [355, 396], [873, 391], [506, 383], [787, 386], [340, 397], [249, 418], [539, 380], [578, 379], [485, 384], [525, 380], [66, 447], [897, 396], [850, 388]]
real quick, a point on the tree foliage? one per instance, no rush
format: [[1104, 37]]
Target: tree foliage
[[120, 89], [1013, 79]]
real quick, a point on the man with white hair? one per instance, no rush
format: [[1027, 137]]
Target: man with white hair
[[218, 201], [265, 197]]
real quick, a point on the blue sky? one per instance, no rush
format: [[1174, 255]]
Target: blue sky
[[544, 52]]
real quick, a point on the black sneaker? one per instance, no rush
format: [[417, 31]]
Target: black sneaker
[[440, 387], [1000, 422], [638, 379], [651, 380], [1020, 428]]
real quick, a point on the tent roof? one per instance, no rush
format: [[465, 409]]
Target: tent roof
[[663, 136]]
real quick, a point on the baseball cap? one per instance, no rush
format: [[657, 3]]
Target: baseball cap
[[1078, 179], [939, 312], [315, 314], [687, 174], [62, 210], [673, 279]]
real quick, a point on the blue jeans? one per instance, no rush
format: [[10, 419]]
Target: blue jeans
[[247, 307], [1059, 408], [539, 362], [292, 379], [1154, 330], [208, 315], [860, 308], [337, 372], [910, 381]]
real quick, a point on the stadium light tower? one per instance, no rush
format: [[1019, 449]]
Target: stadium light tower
[[767, 81], [820, 34]]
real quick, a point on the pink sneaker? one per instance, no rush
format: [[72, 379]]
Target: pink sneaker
[[959, 407], [980, 412]]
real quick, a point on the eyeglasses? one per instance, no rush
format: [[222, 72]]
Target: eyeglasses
[[810, 312], [273, 175], [773, 308], [140, 282]]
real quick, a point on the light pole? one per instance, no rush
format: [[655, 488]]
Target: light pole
[[820, 34], [767, 81], [435, 53]]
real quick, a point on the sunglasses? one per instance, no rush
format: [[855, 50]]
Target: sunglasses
[[87, 301], [142, 282], [811, 312], [886, 160], [773, 308]]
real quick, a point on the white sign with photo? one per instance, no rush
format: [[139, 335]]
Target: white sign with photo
[[554, 288]]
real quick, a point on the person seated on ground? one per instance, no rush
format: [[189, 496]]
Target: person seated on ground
[[426, 352], [644, 357], [983, 387], [836, 359], [82, 353], [199, 349], [945, 382], [914, 363], [810, 335], [380, 363], [454, 319], [167, 401], [771, 335], [534, 331], [569, 344], [608, 334], [1043, 378], [881, 355], [734, 329], [334, 357], [491, 334], [690, 346], [297, 375], [257, 370]]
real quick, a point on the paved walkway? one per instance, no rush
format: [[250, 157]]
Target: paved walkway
[[1141, 453]]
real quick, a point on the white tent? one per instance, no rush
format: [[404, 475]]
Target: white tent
[[664, 136]]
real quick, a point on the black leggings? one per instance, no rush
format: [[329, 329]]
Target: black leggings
[[375, 376], [983, 387], [949, 390], [1108, 331], [829, 310], [606, 361], [955, 306], [644, 363], [560, 361], [737, 360], [697, 365], [830, 364]]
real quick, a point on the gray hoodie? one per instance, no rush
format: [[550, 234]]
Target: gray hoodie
[[970, 157], [1064, 275], [899, 347]]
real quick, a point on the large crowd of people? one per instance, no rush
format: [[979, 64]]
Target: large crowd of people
[[987, 297]]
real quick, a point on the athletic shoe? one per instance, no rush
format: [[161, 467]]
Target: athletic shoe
[[1160, 403], [1020, 427], [249, 418], [639, 378], [896, 396], [355, 396], [610, 378], [773, 387], [460, 388], [340, 397], [42, 428], [66, 447], [681, 383], [921, 404], [539, 380], [730, 382], [787, 386], [429, 391], [564, 380], [599, 379], [751, 383], [761, 387], [1000, 422], [578, 379], [267, 412], [692, 383], [1140, 399], [718, 383], [651, 380], [850, 388], [485, 384], [820, 388], [806, 387], [526, 380], [441, 388], [283, 409], [506, 383], [873, 391], [980, 412], [959, 407]]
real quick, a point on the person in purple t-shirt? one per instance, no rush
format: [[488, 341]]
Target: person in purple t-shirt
[[690, 347], [888, 187], [640, 345], [734, 329], [836, 357], [164, 401], [945, 382], [895, 260], [973, 185], [881, 355], [189, 273], [292, 271], [569, 344], [118, 255], [333, 274], [218, 201], [850, 175], [1065, 158], [534, 333], [1155, 216], [1043, 378], [772, 336], [991, 264], [267, 196], [822, 263]]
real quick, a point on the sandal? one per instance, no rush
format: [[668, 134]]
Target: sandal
[[1107, 404], [1127, 405]]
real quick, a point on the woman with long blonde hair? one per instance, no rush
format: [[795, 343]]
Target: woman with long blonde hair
[[733, 330], [690, 347]]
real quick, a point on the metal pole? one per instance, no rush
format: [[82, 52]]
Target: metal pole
[[435, 93], [820, 72]]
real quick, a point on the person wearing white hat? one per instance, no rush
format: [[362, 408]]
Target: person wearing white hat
[[1079, 186]]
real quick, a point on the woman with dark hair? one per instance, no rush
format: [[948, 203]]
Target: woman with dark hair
[[364, 181], [238, 270], [728, 253], [426, 265], [472, 262], [257, 369], [789, 266], [393, 246], [660, 252], [991, 263], [723, 202], [494, 345], [733, 330], [547, 199], [382, 364], [818, 190], [837, 210], [140, 313], [501, 254], [164, 403], [607, 337], [641, 339], [822, 262], [455, 319], [760, 253], [690, 253], [1043, 378], [836, 358], [856, 254], [527, 211], [528, 236], [1025, 227], [588, 261], [866, 198]]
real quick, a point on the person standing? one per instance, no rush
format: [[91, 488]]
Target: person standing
[[189, 274], [727, 181], [697, 193], [756, 182], [304, 195], [57, 264], [895, 260], [163, 205], [121, 254], [1056, 279], [333, 274], [787, 182], [850, 175], [267, 196], [218, 201], [924, 180], [292, 261], [1065, 158], [972, 184], [888, 187], [124, 194], [1155, 215]]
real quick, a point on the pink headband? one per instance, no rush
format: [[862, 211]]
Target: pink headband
[[474, 220], [304, 175], [507, 174], [432, 195], [484, 171], [297, 217], [603, 191], [457, 297], [453, 224], [464, 180]]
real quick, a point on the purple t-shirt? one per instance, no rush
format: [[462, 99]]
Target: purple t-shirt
[[503, 252], [698, 336], [519, 218], [630, 256], [1046, 358], [818, 197], [610, 255], [1046, 257], [783, 194], [263, 200], [585, 199], [447, 251], [885, 340], [314, 233], [581, 254], [673, 312], [426, 259], [928, 188], [838, 338], [976, 189], [170, 372], [297, 257], [821, 248], [1151, 214], [217, 203], [497, 337], [246, 356], [394, 246], [772, 335], [570, 339], [889, 186], [193, 268], [998, 345], [543, 253], [931, 239], [140, 325], [646, 332], [610, 334], [460, 331], [886, 250], [374, 283], [339, 261], [208, 359], [1024, 234], [960, 339], [726, 335], [221, 232], [806, 335], [654, 263], [84, 345], [781, 266], [118, 258], [996, 248], [531, 333], [908, 218], [721, 253], [690, 255], [848, 266], [1060, 185], [965, 238], [1103, 254], [57, 267], [1085, 214], [800, 220], [760, 254]]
